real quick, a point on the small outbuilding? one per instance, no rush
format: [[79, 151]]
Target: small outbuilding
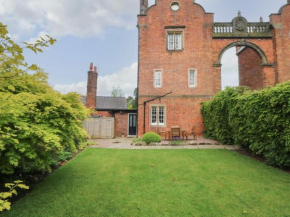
[[112, 117]]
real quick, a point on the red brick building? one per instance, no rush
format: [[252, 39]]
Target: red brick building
[[180, 52], [125, 120]]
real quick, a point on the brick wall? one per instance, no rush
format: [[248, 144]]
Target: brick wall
[[250, 70], [179, 111], [183, 105], [121, 123], [104, 114], [281, 23]]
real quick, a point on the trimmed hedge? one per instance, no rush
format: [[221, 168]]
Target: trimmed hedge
[[151, 137], [258, 120]]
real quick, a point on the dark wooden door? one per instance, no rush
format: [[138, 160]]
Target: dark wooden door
[[132, 124]]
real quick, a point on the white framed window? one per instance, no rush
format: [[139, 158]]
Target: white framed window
[[157, 115], [174, 40], [158, 78], [192, 75]]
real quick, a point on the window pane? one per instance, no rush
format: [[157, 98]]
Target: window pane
[[161, 115], [170, 41], [157, 83], [154, 115], [191, 78], [134, 120], [158, 79], [157, 75], [178, 41]]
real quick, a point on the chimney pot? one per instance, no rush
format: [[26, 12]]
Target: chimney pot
[[91, 66], [95, 69]]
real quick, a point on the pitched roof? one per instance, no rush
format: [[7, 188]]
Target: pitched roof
[[108, 102]]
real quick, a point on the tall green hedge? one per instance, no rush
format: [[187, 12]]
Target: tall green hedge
[[258, 120], [216, 114]]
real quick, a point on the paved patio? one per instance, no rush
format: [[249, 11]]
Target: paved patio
[[125, 143]]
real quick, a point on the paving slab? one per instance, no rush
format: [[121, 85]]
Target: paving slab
[[125, 143]]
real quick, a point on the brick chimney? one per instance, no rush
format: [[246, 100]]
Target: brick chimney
[[92, 87]]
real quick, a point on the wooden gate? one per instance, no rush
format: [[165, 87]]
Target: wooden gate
[[100, 128]]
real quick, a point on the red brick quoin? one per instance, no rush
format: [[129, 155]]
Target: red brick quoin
[[264, 50]]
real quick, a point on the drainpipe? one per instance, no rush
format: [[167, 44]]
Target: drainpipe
[[144, 104]]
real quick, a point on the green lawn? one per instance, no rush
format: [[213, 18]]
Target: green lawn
[[179, 183]]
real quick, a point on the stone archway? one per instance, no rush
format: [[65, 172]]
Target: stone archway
[[246, 44], [268, 77]]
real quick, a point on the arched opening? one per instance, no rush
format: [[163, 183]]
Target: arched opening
[[259, 51], [242, 65], [151, 2], [230, 69]]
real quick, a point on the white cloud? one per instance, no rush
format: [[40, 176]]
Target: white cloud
[[40, 34], [88, 18], [14, 37], [68, 17], [126, 79], [26, 26]]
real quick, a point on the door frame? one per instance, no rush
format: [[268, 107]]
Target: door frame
[[128, 134]]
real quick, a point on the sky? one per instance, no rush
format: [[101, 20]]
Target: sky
[[104, 32]]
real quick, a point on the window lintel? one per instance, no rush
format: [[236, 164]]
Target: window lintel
[[175, 27]]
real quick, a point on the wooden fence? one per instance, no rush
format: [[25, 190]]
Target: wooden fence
[[100, 128]]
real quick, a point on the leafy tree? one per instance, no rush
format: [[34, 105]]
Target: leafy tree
[[117, 92], [4, 203], [36, 123], [130, 102], [12, 63], [133, 101]]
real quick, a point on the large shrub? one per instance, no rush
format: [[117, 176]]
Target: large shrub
[[258, 120], [151, 137], [216, 114], [36, 123], [35, 127]]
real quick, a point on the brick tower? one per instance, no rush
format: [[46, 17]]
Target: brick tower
[[180, 60]]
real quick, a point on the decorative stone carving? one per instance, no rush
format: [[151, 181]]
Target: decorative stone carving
[[240, 24], [241, 28], [143, 10], [143, 7]]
